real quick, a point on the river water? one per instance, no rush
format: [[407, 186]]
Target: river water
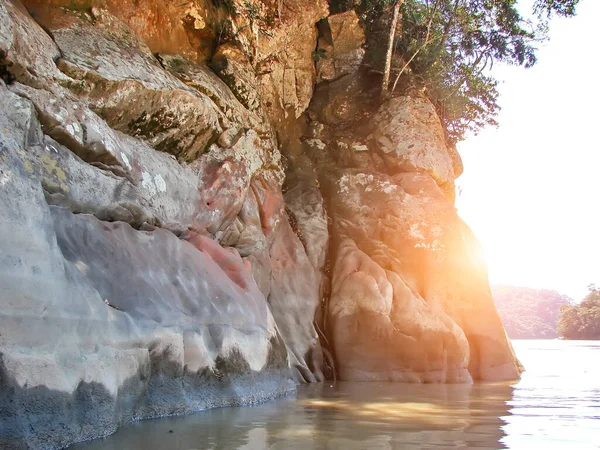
[[556, 405]]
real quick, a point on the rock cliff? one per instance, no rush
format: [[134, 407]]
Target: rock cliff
[[199, 210]]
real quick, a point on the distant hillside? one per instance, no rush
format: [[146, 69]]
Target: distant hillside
[[529, 313]]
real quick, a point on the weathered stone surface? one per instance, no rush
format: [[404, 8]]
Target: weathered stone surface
[[404, 265], [204, 79], [283, 59], [285, 274], [277, 39], [108, 323], [134, 324], [408, 135], [204, 196], [344, 100], [384, 331], [67, 181], [417, 260], [306, 208], [294, 299], [233, 67], [227, 175], [341, 46], [185, 28], [246, 235], [403, 134], [112, 173], [223, 175], [27, 53], [122, 81], [457, 163]]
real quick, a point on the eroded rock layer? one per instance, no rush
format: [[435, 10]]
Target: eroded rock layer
[[189, 221]]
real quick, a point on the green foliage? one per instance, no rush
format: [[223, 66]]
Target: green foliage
[[565, 8], [446, 47], [582, 321], [529, 313], [319, 54], [456, 41]]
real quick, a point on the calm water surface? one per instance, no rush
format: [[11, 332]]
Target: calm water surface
[[556, 405]]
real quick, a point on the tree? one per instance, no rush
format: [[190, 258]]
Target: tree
[[390, 49], [454, 42], [582, 321], [447, 47], [529, 313], [565, 8]]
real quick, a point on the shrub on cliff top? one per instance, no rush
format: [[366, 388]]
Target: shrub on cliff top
[[445, 48]]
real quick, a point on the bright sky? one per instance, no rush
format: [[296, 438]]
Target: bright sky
[[531, 189]]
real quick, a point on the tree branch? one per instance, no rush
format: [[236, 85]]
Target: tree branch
[[434, 10], [390, 50]]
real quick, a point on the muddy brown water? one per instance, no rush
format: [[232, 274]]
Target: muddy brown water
[[556, 405]]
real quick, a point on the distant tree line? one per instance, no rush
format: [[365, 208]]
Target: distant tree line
[[582, 321], [529, 313], [443, 48]]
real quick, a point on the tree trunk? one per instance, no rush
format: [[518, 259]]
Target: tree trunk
[[390, 50]]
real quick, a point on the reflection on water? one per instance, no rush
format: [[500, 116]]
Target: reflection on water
[[555, 405]]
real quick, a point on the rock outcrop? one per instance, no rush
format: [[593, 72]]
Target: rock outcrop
[[410, 299], [340, 51], [189, 221]]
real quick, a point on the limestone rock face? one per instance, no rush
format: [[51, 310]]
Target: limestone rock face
[[233, 67], [27, 50], [409, 299], [179, 230], [123, 82], [187, 329], [185, 28], [341, 46], [143, 216], [294, 296], [409, 137], [284, 58], [305, 204], [277, 38]]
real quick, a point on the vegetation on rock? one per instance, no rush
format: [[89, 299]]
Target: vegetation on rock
[[529, 313], [582, 321], [445, 48]]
